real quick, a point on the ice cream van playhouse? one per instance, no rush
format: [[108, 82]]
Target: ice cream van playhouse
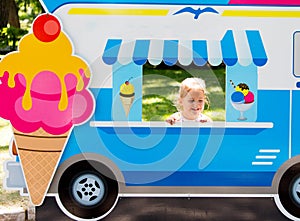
[[74, 89]]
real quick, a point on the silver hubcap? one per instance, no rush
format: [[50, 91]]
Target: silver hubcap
[[88, 189], [296, 190]]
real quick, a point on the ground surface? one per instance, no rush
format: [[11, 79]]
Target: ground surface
[[179, 209], [10, 201]]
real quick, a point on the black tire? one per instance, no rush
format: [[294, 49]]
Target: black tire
[[88, 190], [289, 191]]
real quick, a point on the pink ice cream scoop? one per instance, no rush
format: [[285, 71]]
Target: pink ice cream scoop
[[44, 85], [249, 98], [45, 100]]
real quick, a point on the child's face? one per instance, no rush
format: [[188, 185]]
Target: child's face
[[192, 104]]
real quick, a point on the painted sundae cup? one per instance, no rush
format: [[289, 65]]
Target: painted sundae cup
[[242, 99]]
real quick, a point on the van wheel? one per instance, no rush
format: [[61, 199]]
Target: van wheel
[[289, 191], [87, 190]]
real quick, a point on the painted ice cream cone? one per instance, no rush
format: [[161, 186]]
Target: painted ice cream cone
[[39, 154], [126, 102], [44, 92], [127, 96]]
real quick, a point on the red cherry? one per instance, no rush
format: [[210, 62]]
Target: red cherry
[[46, 28], [126, 82]]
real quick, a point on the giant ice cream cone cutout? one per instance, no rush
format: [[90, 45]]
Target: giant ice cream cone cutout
[[127, 96], [39, 153], [44, 93]]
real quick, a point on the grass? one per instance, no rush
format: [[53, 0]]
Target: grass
[[161, 85]]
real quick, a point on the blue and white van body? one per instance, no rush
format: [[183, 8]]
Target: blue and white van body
[[259, 156]]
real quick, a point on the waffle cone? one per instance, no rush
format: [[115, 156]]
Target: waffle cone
[[39, 153], [127, 102]]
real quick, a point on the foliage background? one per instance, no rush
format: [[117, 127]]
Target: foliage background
[[16, 17], [161, 85]]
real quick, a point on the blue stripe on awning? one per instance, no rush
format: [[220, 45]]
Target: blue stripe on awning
[[228, 49], [111, 51], [258, 52], [199, 52], [170, 52], [140, 54]]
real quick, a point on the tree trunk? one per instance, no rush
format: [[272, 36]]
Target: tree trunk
[[13, 18], [4, 12]]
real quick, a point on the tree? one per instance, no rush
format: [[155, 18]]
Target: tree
[[4, 12], [13, 17], [10, 10], [13, 14]]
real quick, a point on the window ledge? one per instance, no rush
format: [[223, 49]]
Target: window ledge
[[218, 124]]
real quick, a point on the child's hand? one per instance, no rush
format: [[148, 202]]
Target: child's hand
[[206, 119], [171, 120]]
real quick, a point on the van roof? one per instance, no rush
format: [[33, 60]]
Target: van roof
[[52, 5]]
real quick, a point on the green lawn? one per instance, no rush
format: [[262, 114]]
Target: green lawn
[[161, 84]]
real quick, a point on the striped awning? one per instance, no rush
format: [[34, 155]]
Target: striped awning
[[244, 47]]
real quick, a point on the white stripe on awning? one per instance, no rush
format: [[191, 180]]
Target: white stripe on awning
[[242, 49], [127, 47], [155, 55], [214, 52], [185, 52]]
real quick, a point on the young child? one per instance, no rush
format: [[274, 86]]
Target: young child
[[191, 101]]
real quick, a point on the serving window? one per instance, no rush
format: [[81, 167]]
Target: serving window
[[161, 85]]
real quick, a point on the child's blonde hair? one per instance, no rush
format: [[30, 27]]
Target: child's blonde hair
[[187, 85]]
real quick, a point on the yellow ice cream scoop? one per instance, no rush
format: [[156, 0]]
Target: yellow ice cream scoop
[[127, 89], [242, 87]]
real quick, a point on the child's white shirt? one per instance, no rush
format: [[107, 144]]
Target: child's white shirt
[[180, 118]]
